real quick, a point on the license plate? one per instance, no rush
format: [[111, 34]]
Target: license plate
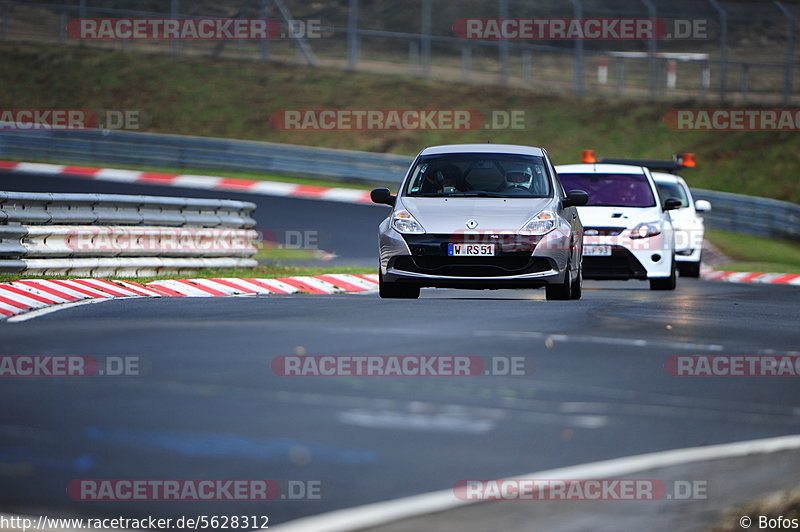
[[596, 251], [470, 250]]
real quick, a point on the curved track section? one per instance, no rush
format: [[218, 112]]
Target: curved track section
[[208, 405]]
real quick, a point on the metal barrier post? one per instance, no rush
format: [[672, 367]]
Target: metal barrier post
[[526, 66], [413, 58], [787, 83], [466, 62], [745, 80], [723, 44], [173, 46], [577, 7], [502, 13], [652, 50], [426, 38], [352, 35], [263, 44]]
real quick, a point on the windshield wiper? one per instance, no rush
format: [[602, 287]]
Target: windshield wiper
[[478, 195]]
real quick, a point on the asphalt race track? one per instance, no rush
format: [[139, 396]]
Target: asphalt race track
[[207, 404]]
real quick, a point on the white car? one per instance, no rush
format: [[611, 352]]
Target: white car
[[689, 228], [628, 232]]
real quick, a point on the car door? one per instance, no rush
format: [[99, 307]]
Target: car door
[[570, 214]]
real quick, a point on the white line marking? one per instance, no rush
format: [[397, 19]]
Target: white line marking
[[49, 310], [39, 168], [381, 513], [124, 176], [196, 181]]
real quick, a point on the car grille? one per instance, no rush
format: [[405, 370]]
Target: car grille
[[603, 231], [429, 256], [620, 265]]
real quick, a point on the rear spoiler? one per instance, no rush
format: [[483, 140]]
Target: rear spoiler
[[679, 161]]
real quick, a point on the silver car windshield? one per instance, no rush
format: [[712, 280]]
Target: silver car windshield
[[495, 175]]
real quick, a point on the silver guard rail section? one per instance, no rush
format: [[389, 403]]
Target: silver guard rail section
[[107, 234]]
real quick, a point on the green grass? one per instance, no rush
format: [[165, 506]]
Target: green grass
[[756, 254], [235, 99], [280, 253], [259, 272]]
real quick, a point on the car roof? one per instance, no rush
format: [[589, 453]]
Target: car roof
[[661, 177], [599, 168], [483, 148]]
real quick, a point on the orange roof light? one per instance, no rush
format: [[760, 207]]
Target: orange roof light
[[588, 157], [687, 160]]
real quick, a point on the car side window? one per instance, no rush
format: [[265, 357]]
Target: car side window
[[559, 186]]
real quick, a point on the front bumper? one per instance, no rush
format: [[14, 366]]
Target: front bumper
[[689, 244], [646, 258], [519, 261]]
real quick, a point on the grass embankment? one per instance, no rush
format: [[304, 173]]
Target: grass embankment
[[224, 98], [756, 254]]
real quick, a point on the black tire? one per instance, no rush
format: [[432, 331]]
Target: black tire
[[577, 287], [396, 290], [689, 269], [561, 291], [666, 283]]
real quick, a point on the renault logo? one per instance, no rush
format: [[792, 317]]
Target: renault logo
[[472, 224]]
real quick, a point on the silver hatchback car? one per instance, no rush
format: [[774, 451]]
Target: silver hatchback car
[[481, 216]]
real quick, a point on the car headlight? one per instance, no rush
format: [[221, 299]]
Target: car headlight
[[403, 222], [646, 230], [541, 224]]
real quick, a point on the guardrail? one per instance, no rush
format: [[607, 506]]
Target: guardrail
[[750, 215], [179, 151], [731, 212], [104, 234]]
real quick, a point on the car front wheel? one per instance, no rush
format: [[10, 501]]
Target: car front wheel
[[577, 287], [560, 291], [689, 269], [396, 290], [665, 283]]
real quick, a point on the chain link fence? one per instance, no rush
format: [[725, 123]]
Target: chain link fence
[[742, 51]]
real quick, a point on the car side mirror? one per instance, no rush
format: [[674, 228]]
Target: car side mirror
[[702, 205], [382, 196], [670, 204], [575, 198]]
